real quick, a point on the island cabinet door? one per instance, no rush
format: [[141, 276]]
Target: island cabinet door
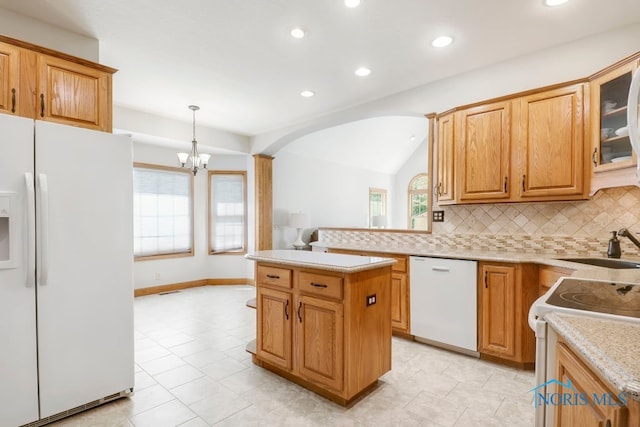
[[275, 312], [318, 341], [581, 384]]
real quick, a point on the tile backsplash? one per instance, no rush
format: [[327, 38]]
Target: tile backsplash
[[578, 227], [610, 209]]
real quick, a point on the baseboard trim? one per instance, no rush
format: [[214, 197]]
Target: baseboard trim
[[191, 284]]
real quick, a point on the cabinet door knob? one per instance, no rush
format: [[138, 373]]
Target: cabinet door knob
[[42, 105], [272, 276], [13, 100], [505, 183], [524, 180], [299, 308], [593, 158], [286, 310], [486, 281]]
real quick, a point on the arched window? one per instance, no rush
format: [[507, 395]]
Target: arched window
[[418, 198]]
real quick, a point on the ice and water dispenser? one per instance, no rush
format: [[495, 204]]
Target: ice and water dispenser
[[8, 232]]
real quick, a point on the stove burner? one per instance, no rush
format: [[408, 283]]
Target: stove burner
[[603, 297]]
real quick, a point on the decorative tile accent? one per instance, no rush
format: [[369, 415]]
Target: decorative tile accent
[[571, 228]]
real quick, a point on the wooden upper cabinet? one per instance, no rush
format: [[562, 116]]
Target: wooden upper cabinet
[[445, 144], [484, 147], [43, 84], [551, 129], [516, 149], [609, 96], [73, 94], [9, 78]]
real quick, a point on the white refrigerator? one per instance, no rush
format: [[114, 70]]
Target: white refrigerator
[[66, 270]]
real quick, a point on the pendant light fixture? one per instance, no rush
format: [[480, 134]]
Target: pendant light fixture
[[195, 160]]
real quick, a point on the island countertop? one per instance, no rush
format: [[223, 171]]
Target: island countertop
[[320, 260], [611, 346]]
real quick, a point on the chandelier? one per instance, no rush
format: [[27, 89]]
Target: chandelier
[[194, 159]]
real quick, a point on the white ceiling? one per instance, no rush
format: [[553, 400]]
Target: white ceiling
[[236, 60]]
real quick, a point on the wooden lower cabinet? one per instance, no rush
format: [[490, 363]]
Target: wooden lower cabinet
[[274, 309], [319, 328], [399, 288], [548, 276], [319, 340], [611, 412], [505, 293], [399, 302]]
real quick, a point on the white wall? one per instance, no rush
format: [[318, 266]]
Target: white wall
[[37, 32], [201, 265], [333, 195]]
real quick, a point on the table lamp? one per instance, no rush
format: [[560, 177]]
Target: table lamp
[[379, 221]]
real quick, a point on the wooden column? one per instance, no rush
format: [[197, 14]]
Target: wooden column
[[264, 202], [432, 180]]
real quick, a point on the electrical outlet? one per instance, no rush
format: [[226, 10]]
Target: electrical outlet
[[371, 299], [438, 216]]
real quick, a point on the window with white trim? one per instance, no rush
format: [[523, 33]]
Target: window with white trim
[[227, 212], [162, 212], [377, 205], [419, 202]]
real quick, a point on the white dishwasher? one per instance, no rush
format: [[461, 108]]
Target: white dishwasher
[[444, 302]]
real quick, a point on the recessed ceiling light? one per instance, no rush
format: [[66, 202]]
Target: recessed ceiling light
[[307, 93], [441, 41], [352, 3], [554, 2], [363, 71], [298, 33]]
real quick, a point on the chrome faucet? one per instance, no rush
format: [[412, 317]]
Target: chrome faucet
[[625, 233]]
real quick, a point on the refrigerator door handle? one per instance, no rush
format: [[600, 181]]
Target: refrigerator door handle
[[43, 265], [31, 230]]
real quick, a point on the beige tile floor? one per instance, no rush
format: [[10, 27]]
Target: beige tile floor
[[192, 370]]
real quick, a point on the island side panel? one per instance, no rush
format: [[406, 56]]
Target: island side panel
[[368, 340]]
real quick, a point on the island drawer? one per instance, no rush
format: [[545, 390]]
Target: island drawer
[[320, 284], [273, 276]]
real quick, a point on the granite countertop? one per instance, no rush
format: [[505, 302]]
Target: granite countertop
[[319, 260], [581, 270], [610, 346]]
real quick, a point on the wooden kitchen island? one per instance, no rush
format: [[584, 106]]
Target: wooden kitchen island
[[324, 320]]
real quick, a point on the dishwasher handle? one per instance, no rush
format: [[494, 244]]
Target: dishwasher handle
[[437, 268]]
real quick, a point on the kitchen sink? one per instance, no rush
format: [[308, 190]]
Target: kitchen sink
[[604, 262]]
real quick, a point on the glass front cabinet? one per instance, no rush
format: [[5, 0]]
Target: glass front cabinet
[[609, 93]]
